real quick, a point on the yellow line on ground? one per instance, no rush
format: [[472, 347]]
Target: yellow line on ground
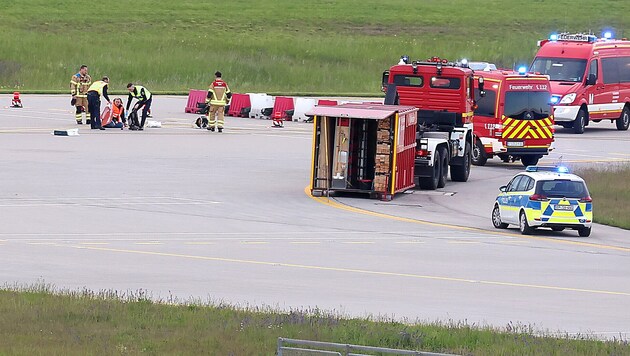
[[353, 270], [335, 204]]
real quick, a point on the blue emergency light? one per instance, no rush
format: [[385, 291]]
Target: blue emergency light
[[608, 35], [553, 37], [522, 70], [558, 169], [554, 99]]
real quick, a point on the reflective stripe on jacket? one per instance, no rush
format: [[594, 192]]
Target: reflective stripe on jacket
[[79, 84], [218, 92], [98, 86]]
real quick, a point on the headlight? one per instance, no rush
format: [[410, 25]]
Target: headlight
[[568, 99]]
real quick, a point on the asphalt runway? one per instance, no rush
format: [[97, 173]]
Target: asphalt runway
[[185, 213]]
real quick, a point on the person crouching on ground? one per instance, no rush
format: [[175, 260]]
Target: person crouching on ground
[[118, 115]]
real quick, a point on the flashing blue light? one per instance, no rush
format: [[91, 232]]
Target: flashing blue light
[[608, 35], [553, 37], [563, 169], [522, 70], [558, 169], [555, 99]]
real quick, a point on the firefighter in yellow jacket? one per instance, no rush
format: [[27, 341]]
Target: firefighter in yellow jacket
[[79, 85], [218, 97]]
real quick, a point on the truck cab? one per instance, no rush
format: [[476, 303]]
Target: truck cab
[[444, 94], [590, 78], [514, 120]]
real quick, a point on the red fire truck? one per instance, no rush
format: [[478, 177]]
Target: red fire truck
[[590, 78], [514, 120], [444, 93]]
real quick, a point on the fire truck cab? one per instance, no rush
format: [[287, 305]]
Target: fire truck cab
[[514, 120], [590, 78], [444, 94]]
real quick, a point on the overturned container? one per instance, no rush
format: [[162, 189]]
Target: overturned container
[[363, 148]]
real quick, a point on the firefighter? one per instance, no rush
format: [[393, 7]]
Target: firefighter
[[144, 97], [94, 93], [218, 97], [79, 85]]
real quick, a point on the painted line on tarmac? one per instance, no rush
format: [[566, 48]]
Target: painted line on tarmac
[[335, 204], [353, 270]]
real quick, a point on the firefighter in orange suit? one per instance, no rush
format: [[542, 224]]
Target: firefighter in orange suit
[[79, 85], [218, 97]]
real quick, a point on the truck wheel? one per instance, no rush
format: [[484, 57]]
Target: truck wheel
[[584, 231], [624, 120], [461, 173], [443, 168], [431, 183], [496, 218], [580, 122], [523, 225], [479, 156], [529, 160]]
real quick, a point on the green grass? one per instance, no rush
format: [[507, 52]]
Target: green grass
[[280, 46], [610, 189], [37, 321]]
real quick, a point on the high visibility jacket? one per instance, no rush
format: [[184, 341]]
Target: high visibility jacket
[[98, 86], [218, 93], [79, 84], [141, 93], [118, 112]]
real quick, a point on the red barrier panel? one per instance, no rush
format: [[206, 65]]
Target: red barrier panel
[[280, 108], [325, 102], [238, 103], [195, 97]]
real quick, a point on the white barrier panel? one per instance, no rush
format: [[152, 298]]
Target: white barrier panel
[[302, 105], [259, 102]]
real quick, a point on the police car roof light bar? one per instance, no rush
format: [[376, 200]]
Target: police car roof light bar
[[558, 169]]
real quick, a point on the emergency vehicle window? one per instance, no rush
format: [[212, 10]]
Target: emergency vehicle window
[[487, 104], [610, 70], [527, 105], [445, 83], [408, 81], [624, 69], [561, 189], [560, 69], [530, 184], [522, 184], [592, 69], [514, 183]]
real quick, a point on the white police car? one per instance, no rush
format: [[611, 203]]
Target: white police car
[[544, 197]]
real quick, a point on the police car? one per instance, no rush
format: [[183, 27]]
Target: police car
[[548, 197]]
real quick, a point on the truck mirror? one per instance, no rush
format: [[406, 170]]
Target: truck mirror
[[591, 79], [482, 92]]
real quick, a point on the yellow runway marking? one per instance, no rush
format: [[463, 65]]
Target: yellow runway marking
[[356, 271], [335, 204]]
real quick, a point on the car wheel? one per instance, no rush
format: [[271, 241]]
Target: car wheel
[[557, 229], [529, 160], [431, 183], [461, 173], [584, 231], [523, 225], [496, 218], [479, 156], [624, 120], [443, 168], [580, 122]]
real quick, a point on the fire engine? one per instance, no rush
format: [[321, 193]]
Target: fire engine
[[590, 78], [514, 120], [444, 94]]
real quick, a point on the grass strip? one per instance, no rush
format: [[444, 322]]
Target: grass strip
[[41, 320], [610, 189]]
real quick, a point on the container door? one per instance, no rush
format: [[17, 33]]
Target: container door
[[340, 154]]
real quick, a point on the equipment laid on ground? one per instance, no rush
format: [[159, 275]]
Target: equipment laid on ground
[[444, 93], [514, 120], [16, 102], [70, 132], [363, 148]]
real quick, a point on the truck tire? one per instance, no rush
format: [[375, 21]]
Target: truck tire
[[624, 120], [479, 156], [580, 122], [443, 168], [431, 183], [461, 173], [529, 160]]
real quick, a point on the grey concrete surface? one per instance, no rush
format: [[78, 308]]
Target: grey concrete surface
[[192, 214]]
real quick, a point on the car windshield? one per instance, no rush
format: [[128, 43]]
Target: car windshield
[[560, 69], [527, 105], [561, 188]]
